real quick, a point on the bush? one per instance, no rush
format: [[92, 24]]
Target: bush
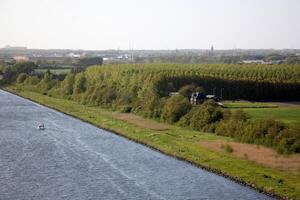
[[268, 132], [174, 108], [47, 82], [88, 61], [79, 84], [32, 80], [227, 114], [21, 78], [187, 90], [288, 141], [227, 148], [205, 114], [239, 115], [101, 95], [68, 84], [124, 109], [230, 128]]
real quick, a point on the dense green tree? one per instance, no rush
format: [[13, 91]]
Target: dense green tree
[[239, 115], [68, 84], [88, 61], [25, 67], [79, 84], [32, 80], [175, 107], [205, 115], [187, 90], [21, 77], [47, 82]]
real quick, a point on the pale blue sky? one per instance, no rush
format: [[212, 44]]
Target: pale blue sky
[[150, 24]]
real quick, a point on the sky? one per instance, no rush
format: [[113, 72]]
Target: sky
[[150, 24]]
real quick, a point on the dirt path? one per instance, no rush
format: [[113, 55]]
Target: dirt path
[[259, 154]]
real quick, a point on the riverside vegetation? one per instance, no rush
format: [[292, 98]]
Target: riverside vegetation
[[145, 89]]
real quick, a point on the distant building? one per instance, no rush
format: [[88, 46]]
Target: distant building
[[274, 62], [20, 58], [199, 97], [73, 55], [253, 62]]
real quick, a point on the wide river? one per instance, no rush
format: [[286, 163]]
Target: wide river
[[75, 160]]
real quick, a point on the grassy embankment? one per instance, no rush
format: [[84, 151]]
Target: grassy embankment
[[184, 144]]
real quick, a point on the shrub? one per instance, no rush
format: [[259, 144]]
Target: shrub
[[47, 82], [205, 114], [239, 115], [187, 90], [68, 84], [79, 84], [32, 80], [174, 108], [230, 128], [21, 78], [288, 141], [153, 106], [227, 114], [101, 95], [124, 109], [227, 148]]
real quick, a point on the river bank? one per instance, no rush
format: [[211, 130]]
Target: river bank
[[182, 144]]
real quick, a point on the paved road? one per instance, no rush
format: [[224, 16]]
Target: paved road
[[75, 160]]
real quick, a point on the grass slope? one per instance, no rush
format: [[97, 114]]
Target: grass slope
[[183, 144]]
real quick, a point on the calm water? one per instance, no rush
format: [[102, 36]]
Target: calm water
[[74, 160]]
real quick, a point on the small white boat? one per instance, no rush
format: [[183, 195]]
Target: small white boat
[[41, 127]]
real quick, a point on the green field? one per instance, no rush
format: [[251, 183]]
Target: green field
[[257, 110], [248, 105], [289, 115], [183, 144], [53, 71]]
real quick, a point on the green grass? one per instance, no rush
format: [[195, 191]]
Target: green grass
[[249, 105], [258, 110], [184, 144], [54, 71], [289, 115]]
